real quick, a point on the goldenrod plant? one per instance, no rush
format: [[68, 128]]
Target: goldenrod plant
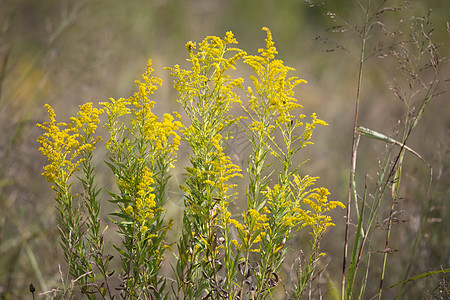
[[141, 152], [67, 146], [222, 252]]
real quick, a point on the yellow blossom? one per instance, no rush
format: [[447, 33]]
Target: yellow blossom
[[271, 84], [145, 200], [63, 143]]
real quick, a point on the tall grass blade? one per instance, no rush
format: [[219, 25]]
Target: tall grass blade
[[356, 245], [379, 136], [352, 187], [420, 276], [395, 188], [35, 266]]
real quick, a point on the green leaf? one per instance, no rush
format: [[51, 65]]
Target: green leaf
[[379, 136], [423, 275]]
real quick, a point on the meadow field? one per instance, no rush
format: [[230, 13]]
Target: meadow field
[[215, 149]]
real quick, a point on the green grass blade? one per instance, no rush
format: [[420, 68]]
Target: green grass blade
[[420, 276], [379, 136], [354, 259]]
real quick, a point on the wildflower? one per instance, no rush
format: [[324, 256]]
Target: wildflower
[[87, 120], [142, 148], [190, 46], [271, 83], [63, 143]]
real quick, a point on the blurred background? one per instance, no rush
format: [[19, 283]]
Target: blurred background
[[65, 53]]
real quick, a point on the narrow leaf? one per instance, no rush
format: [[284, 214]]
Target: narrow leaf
[[420, 276]]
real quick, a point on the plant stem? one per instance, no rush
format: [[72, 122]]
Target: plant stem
[[351, 189]]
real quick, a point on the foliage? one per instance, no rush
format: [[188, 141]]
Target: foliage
[[221, 254]]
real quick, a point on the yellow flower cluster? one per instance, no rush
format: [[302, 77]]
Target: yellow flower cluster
[[309, 127], [211, 52], [162, 136], [87, 121], [273, 89], [142, 147], [162, 132], [291, 214], [256, 227], [114, 110], [145, 199], [222, 167], [259, 222], [63, 143], [206, 93], [141, 105], [206, 82], [317, 200]]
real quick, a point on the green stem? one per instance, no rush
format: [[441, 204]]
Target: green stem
[[352, 187]]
